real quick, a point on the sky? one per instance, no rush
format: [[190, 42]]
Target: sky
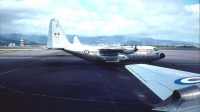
[[158, 19]]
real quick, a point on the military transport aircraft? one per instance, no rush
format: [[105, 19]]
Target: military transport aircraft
[[57, 40], [184, 87]]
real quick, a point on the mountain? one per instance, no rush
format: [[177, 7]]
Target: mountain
[[128, 40], [28, 39], [122, 39]]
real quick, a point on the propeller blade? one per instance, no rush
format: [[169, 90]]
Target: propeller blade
[[136, 48]]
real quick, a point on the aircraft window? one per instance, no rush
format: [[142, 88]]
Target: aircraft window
[[155, 49]]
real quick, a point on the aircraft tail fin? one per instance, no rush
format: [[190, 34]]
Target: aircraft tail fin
[[56, 37], [76, 41]]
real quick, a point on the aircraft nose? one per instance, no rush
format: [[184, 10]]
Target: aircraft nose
[[162, 55]]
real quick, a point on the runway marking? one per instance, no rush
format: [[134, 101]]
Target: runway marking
[[46, 59], [120, 69], [113, 102], [25, 69], [64, 98], [23, 66], [143, 106]]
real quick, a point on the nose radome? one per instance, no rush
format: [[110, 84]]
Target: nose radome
[[162, 55]]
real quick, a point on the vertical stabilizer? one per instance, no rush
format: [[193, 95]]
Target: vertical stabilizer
[[76, 41], [56, 36]]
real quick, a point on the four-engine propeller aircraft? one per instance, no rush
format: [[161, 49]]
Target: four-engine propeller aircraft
[[57, 40], [184, 87]]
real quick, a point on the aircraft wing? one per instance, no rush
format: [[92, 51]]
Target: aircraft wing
[[116, 48], [179, 90], [163, 81]]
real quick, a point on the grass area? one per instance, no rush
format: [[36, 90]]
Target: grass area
[[176, 46], [11, 51]]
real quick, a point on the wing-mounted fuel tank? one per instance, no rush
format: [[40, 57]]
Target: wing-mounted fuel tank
[[182, 100]]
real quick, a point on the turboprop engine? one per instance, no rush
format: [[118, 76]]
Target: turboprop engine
[[129, 50], [184, 100], [111, 56]]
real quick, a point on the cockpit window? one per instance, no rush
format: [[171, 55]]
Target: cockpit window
[[155, 49]]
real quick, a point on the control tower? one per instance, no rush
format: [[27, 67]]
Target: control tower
[[22, 43]]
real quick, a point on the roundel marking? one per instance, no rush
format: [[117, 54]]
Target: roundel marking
[[188, 80], [86, 51]]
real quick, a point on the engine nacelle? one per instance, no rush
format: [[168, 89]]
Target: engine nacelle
[[185, 99], [108, 53], [188, 94]]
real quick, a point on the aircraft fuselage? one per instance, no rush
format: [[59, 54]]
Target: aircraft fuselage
[[143, 54]]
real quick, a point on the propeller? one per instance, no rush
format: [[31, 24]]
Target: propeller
[[136, 48]]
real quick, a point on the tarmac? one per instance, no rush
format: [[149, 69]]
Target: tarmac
[[55, 81]]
